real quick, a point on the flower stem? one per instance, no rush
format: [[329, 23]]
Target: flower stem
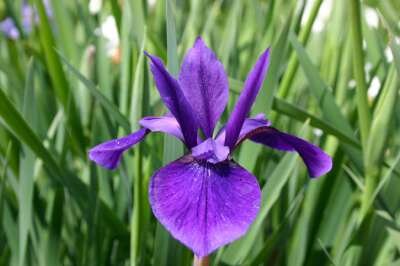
[[203, 261]]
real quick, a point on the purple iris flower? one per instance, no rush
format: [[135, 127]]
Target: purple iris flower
[[29, 19], [205, 199], [9, 29]]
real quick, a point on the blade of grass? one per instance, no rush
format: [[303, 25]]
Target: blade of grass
[[105, 103], [281, 235], [116, 10], [59, 80], [65, 27], [377, 141], [11, 232], [126, 60], [229, 33], [138, 19], [53, 234], [26, 184], [320, 91], [291, 110], [79, 190], [364, 116], [137, 234], [293, 64], [3, 180], [264, 100]]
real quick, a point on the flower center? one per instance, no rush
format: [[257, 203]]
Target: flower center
[[211, 151]]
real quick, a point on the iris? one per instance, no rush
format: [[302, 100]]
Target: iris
[[205, 199], [29, 19]]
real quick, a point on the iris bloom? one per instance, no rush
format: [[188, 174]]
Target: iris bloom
[[205, 199], [29, 19]]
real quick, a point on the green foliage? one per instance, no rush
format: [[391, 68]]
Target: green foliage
[[65, 87]]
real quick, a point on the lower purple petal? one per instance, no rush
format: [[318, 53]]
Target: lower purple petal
[[204, 205], [317, 161], [108, 154]]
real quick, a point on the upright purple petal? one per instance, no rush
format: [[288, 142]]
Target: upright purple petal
[[211, 151], [9, 29], [204, 205], [205, 85], [246, 99], [108, 154], [317, 161], [166, 124], [250, 124], [29, 17], [175, 100], [48, 8]]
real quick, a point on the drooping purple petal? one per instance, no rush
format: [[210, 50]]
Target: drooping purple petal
[[211, 151], [249, 124], [317, 161], [9, 29], [205, 85], [204, 205], [175, 100], [166, 124], [108, 154], [246, 99]]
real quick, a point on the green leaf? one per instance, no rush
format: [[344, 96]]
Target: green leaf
[[105, 103], [79, 191], [320, 91], [27, 170], [293, 64], [59, 80], [300, 114], [358, 61], [266, 95]]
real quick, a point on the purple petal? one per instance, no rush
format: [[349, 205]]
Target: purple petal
[[166, 124], [108, 154], [48, 8], [211, 151], [29, 18], [205, 85], [175, 100], [9, 29], [246, 99], [204, 205], [317, 161], [249, 124]]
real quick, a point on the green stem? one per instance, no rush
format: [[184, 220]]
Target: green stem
[[364, 116], [136, 224], [358, 65], [293, 62], [204, 261]]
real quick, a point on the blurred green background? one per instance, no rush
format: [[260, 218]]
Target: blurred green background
[[78, 77]]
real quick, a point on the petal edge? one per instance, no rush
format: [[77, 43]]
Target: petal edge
[[317, 161], [108, 154]]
